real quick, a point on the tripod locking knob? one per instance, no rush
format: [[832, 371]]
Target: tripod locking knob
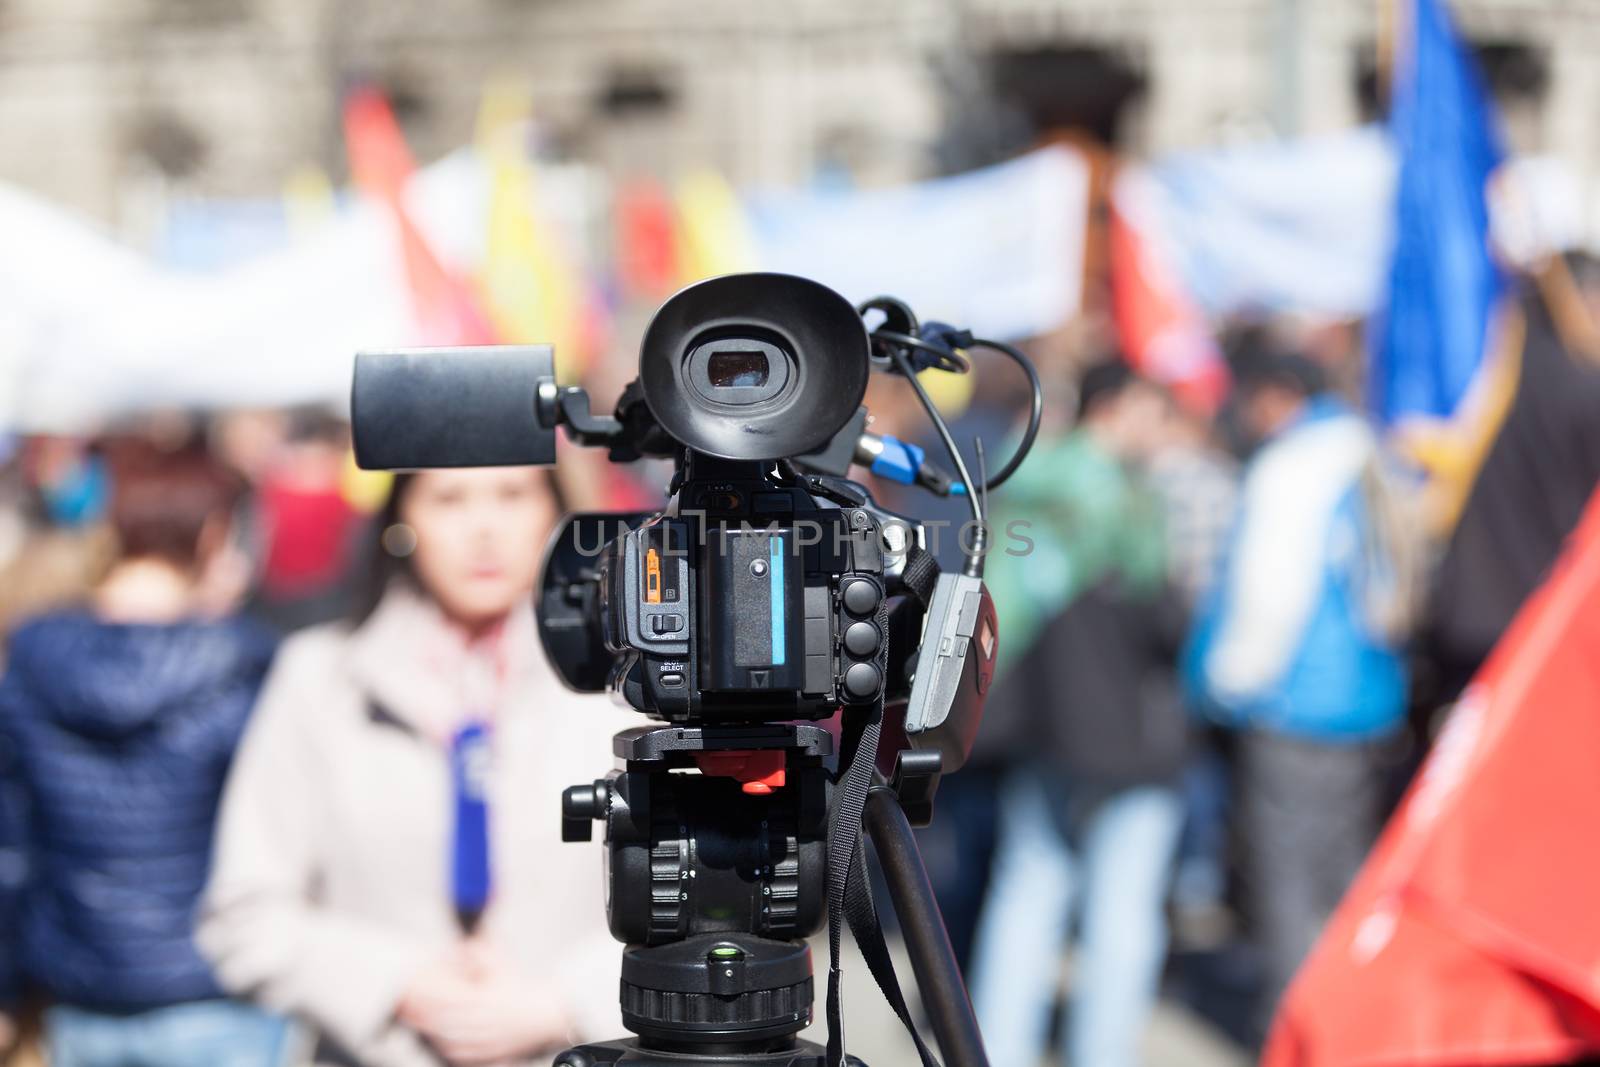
[[581, 805]]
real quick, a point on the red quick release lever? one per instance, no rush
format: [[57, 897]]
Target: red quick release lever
[[759, 771]]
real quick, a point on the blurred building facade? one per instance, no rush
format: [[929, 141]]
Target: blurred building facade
[[103, 102]]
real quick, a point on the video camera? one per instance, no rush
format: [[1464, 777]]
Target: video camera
[[769, 593]]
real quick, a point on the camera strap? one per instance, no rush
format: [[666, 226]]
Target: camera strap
[[920, 574], [850, 893], [868, 932]]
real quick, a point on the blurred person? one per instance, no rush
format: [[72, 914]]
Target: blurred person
[[306, 528], [1198, 483], [53, 542], [13, 513], [71, 478], [1536, 476], [1086, 700], [15, 519], [117, 723], [13, 878], [1299, 649], [389, 866], [250, 440], [957, 847]]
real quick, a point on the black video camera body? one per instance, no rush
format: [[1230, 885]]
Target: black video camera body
[[751, 600], [760, 592]]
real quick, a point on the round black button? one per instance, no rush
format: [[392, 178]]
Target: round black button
[[861, 680], [861, 639], [860, 597]]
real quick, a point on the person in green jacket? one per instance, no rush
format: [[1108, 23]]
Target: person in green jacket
[[1086, 705]]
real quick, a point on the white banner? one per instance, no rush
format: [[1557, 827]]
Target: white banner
[[999, 250]]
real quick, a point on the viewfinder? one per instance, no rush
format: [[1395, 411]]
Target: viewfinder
[[755, 366]]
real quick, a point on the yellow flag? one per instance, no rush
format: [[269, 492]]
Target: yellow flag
[[532, 289], [713, 233]]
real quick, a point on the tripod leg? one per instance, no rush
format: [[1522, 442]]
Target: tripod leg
[[933, 961]]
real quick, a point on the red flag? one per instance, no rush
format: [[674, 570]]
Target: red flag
[[1163, 334], [1472, 935], [647, 239], [381, 166]]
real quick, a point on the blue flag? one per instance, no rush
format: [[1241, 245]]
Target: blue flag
[[1429, 341]]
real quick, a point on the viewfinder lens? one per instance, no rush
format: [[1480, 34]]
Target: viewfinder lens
[[737, 369]]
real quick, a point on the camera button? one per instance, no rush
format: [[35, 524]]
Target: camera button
[[860, 597], [861, 639], [671, 681], [861, 680]]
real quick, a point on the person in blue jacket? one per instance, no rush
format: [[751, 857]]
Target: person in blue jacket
[[13, 869], [118, 721], [1299, 647]]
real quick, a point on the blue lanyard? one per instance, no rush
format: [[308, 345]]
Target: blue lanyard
[[469, 851]]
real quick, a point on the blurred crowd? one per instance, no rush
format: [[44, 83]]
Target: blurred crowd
[[232, 659], [1228, 649], [281, 751]]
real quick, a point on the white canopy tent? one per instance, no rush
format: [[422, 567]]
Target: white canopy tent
[[90, 330]]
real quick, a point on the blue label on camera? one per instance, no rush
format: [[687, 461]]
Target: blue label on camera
[[775, 576]]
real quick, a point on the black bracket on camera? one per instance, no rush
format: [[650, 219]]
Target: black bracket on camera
[[915, 781], [568, 405]]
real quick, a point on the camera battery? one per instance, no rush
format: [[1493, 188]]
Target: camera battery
[[754, 607]]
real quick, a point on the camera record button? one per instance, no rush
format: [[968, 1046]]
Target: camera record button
[[861, 639], [860, 597], [861, 680]]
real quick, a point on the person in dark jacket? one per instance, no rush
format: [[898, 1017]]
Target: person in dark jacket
[[12, 872], [1537, 476], [119, 720]]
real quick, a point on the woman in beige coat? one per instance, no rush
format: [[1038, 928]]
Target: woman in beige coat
[[334, 894]]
